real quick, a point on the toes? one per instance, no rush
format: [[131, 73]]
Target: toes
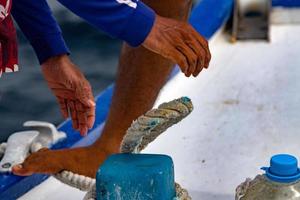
[[43, 149], [21, 171], [44, 161]]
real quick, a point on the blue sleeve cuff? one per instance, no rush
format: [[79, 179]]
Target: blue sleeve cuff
[[48, 46], [139, 25]]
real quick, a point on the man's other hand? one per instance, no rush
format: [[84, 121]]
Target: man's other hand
[[181, 43], [72, 90]]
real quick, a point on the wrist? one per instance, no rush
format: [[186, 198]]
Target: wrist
[[56, 60], [138, 25]]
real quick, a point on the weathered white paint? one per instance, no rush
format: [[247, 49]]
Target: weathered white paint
[[257, 5], [52, 189], [247, 108], [285, 16]]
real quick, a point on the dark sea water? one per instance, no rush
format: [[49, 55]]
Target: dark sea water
[[25, 96]]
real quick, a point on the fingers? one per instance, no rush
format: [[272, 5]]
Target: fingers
[[200, 55], [204, 43], [84, 94], [77, 111], [73, 92], [82, 118], [91, 109], [197, 71], [177, 57], [179, 42], [82, 115], [63, 107], [86, 117], [82, 109], [191, 58], [193, 49], [85, 107], [200, 47], [90, 113], [73, 114]]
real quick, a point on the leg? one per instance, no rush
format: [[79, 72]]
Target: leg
[[135, 91], [141, 75]]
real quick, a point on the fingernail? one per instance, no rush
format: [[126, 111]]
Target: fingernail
[[83, 134], [92, 103]]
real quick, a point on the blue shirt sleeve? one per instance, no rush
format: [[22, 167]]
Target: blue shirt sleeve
[[129, 20], [35, 19]]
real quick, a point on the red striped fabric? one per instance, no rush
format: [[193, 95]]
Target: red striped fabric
[[8, 39]]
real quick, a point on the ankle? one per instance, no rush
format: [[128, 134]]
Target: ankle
[[108, 142], [109, 147]]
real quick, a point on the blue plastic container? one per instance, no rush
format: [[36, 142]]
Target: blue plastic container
[[136, 177]]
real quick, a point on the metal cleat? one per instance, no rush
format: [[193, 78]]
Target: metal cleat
[[16, 149], [20, 144], [251, 20], [48, 135]]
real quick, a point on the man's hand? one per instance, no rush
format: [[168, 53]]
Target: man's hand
[[72, 90], [181, 43]]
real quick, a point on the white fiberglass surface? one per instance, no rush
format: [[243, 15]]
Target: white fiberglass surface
[[247, 108]]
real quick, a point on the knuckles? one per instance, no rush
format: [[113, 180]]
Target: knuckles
[[193, 59]]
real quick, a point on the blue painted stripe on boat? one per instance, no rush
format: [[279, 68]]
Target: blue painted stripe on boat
[[207, 17], [286, 3]]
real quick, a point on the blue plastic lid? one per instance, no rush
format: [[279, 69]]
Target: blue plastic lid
[[283, 168]]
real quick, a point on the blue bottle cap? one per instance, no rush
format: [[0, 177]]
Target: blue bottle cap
[[283, 168]]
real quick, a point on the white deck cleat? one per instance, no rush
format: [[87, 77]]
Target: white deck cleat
[[48, 135], [2, 149], [17, 149], [21, 144]]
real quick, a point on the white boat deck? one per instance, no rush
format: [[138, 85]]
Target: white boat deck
[[247, 108]]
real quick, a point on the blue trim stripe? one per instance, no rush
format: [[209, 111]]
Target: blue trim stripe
[[207, 17], [286, 3]]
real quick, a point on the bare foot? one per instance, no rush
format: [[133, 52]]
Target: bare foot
[[83, 161]]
